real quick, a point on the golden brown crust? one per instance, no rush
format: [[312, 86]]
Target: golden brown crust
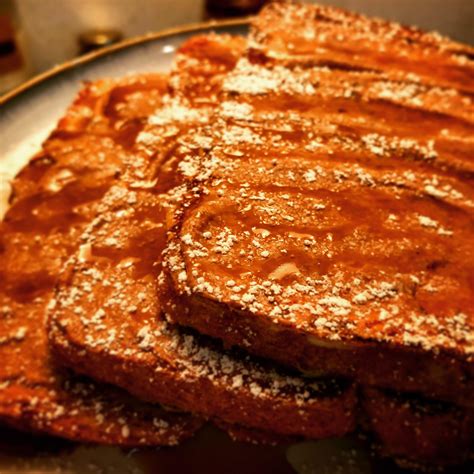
[[113, 333], [115, 336], [317, 35], [103, 323], [55, 196], [322, 219], [368, 364]]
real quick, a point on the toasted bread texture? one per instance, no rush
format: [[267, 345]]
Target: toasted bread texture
[[158, 362], [54, 197], [313, 36], [223, 141], [426, 432], [120, 259], [330, 219]]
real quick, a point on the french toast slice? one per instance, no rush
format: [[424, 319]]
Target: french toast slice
[[95, 260], [426, 432], [54, 197], [158, 362], [120, 260], [296, 34], [325, 229]]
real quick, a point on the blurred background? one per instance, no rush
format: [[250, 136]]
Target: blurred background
[[35, 35]]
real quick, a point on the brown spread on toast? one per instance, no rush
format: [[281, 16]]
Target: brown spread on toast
[[305, 196], [121, 255], [55, 196], [329, 225]]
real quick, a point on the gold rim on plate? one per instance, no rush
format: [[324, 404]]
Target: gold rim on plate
[[194, 27]]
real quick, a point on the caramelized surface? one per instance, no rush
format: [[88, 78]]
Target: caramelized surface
[[333, 216], [327, 36], [284, 194], [55, 196], [120, 258]]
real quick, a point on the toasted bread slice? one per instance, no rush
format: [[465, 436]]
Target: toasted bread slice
[[322, 36], [425, 432], [121, 251], [322, 219], [155, 360], [158, 362], [112, 333], [55, 196]]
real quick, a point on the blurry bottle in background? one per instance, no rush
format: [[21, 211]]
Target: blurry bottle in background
[[232, 8], [13, 64]]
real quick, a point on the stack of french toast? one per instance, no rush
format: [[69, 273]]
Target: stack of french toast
[[277, 237]]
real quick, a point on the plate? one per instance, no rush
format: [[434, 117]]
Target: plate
[[27, 115]]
